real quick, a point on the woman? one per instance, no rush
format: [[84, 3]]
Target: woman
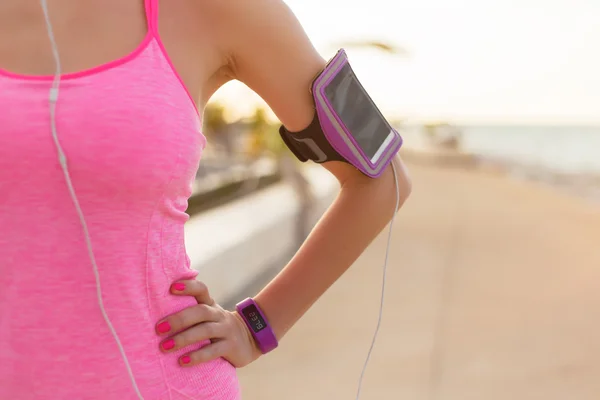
[[133, 76]]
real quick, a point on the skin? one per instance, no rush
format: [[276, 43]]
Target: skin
[[262, 44]]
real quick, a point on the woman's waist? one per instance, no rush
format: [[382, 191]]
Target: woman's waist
[[84, 364], [58, 332], [58, 294], [64, 258]]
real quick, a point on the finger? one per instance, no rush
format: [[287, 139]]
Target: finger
[[193, 335], [207, 353], [187, 318], [193, 288]]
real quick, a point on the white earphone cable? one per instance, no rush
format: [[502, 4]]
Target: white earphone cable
[[53, 98], [385, 263]]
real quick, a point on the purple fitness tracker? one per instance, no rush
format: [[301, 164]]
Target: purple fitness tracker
[[347, 125], [258, 325]]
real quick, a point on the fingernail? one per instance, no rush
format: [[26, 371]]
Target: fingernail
[[179, 286], [168, 344], [186, 359], [163, 327]]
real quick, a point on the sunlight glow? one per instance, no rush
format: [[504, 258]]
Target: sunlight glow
[[507, 61]]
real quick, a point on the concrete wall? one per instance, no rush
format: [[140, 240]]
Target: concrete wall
[[234, 244]]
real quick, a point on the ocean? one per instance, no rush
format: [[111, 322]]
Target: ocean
[[565, 157], [571, 150], [562, 149]]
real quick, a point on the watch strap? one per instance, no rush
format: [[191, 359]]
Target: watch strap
[[257, 325]]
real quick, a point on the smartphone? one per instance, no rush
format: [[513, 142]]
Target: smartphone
[[357, 111]]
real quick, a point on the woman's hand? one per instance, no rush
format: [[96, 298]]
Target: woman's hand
[[230, 337]]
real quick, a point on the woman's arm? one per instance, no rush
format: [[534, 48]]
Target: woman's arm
[[270, 52]]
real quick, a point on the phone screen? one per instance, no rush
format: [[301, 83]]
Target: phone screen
[[357, 111]]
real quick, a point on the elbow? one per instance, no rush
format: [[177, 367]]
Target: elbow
[[385, 195], [405, 186], [401, 183]]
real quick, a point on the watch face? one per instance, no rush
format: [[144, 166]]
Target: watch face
[[254, 318]]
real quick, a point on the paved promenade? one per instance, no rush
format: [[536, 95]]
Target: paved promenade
[[493, 293]]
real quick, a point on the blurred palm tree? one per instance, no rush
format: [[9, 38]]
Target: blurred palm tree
[[214, 119], [258, 125], [266, 141], [385, 47], [216, 128]]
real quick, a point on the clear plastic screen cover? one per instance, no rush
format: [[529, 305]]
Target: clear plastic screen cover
[[357, 111]]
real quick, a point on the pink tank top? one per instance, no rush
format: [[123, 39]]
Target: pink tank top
[[133, 141]]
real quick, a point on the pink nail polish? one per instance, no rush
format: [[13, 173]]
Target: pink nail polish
[[179, 286], [163, 327], [168, 344], [186, 359]]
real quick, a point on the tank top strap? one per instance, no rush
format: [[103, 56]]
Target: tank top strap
[[152, 7], [152, 15]]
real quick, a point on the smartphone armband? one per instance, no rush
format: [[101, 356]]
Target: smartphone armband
[[347, 125]]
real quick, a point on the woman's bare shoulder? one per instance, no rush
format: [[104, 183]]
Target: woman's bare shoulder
[[236, 25]]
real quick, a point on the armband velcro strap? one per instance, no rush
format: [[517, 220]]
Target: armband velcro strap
[[297, 148], [310, 143]]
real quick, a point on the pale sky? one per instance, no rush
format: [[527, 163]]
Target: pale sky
[[507, 61]]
